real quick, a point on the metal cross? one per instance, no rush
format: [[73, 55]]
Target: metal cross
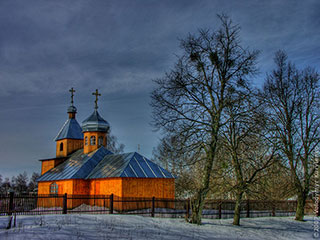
[[96, 101], [72, 91]]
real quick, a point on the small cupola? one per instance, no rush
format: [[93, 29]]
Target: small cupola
[[70, 136], [94, 129]]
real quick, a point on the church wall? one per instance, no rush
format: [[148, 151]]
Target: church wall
[[148, 187], [69, 146], [46, 165], [64, 186], [106, 187], [81, 187], [119, 187], [89, 148]]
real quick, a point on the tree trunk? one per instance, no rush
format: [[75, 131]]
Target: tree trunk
[[198, 201], [237, 209], [197, 206], [300, 206]]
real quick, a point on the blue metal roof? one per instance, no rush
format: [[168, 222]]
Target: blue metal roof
[[95, 123], [70, 129], [78, 166], [104, 164], [128, 165]]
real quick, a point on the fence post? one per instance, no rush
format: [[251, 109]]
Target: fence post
[[152, 207], [188, 209], [248, 208], [111, 203], [11, 195], [65, 203], [220, 209], [273, 209]]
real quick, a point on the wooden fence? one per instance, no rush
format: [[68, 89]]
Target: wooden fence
[[155, 207]]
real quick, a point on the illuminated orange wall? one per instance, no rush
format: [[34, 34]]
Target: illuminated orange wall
[[106, 186], [69, 146], [148, 187], [121, 187], [89, 148], [81, 187], [64, 186], [72, 186], [46, 165], [133, 187]]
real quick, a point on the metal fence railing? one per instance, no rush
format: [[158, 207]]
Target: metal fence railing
[[155, 207]]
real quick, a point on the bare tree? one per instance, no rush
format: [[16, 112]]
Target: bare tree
[[33, 185], [170, 154], [292, 97], [192, 97], [246, 144], [20, 183], [1, 188], [6, 185], [274, 184], [113, 145]]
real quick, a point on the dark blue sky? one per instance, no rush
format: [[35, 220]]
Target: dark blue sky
[[46, 47]]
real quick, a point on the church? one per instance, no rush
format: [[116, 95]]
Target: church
[[84, 166]]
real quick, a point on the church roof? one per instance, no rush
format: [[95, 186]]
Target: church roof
[[77, 166], [104, 164], [95, 123], [70, 129], [128, 165]]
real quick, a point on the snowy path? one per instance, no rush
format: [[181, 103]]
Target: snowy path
[[87, 226]]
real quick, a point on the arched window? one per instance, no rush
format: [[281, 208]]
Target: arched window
[[92, 140], [100, 141], [61, 147], [53, 188], [86, 141]]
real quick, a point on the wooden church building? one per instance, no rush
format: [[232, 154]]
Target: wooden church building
[[84, 166]]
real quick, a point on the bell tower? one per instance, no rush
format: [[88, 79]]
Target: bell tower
[[70, 137], [94, 129]]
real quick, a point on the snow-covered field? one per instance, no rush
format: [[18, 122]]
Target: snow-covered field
[[107, 226]]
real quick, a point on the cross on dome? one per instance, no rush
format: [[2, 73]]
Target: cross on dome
[[96, 93], [72, 95]]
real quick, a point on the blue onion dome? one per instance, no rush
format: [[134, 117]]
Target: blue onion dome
[[95, 123], [72, 109]]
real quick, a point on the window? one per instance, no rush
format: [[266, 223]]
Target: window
[[100, 141], [61, 147], [86, 141], [54, 188], [92, 140]]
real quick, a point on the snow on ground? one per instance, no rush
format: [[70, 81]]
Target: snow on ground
[[108, 226]]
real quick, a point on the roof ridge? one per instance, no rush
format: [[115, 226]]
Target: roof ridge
[[101, 150], [61, 129], [70, 129]]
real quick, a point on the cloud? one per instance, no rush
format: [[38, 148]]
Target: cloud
[[46, 47]]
